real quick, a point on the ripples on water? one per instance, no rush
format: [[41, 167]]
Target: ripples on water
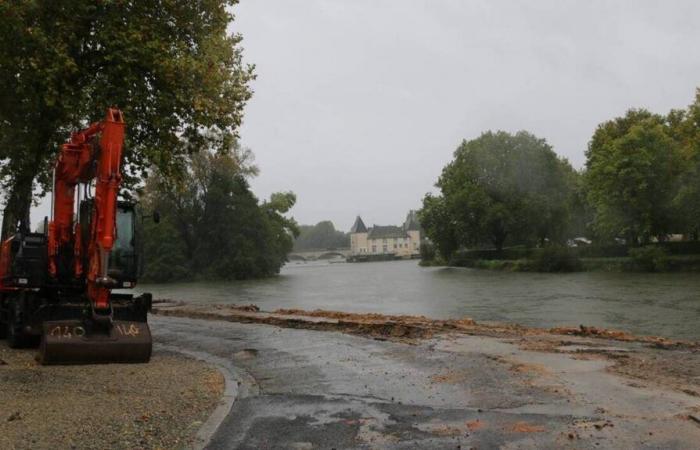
[[660, 304]]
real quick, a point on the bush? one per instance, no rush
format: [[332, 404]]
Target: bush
[[493, 254], [427, 251], [556, 259], [602, 251], [681, 248], [651, 258]]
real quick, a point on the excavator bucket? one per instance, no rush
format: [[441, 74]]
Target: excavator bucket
[[74, 342]]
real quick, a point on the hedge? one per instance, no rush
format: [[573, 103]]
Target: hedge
[[588, 251]]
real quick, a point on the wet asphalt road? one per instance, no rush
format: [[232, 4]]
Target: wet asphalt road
[[303, 389]]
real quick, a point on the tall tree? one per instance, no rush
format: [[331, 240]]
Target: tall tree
[[171, 66], [632, 169], [439, 225], [685, 130], [214, 227], [500, 187]]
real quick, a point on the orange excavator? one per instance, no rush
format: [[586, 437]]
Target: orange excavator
[[57, 287]]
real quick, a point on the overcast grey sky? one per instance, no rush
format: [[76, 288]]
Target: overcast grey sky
[[360, 103]]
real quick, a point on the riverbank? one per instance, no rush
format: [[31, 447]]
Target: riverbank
[[161, 404], [397, 327], [657, 257], [324, 379], [679, 263]]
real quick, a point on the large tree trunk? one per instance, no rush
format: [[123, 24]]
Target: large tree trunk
[[26, 169], [17, 205]]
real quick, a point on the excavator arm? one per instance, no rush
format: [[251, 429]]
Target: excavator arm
[[81, 161]]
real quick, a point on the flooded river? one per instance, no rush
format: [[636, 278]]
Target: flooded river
[[659, 304]]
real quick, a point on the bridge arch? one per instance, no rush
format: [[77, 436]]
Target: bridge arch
[[331, 254]]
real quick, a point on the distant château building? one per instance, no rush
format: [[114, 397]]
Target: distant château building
[[399, 242]]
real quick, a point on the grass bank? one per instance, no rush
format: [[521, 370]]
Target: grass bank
[[653, 258], [625, 264]]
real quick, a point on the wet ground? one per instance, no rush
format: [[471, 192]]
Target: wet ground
[[307, 389]]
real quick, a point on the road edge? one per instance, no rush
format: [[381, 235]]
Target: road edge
[[231, 393]]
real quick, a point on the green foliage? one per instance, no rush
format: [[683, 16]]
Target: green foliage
[[213, 227], [556, 259], [651, 258], [603, 251], [172, 67], [165, 250], [500, 188], [321, 236], [685, 127], [427, 251], [492, 254], [439, 226], [551, 258], [282, 229], [631, 171]]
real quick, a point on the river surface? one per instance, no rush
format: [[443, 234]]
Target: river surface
[[655, 304]]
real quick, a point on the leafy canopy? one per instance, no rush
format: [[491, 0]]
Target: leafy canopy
[[500, 187], [212, 225], [685, 130], [632, 166], [171, 66]]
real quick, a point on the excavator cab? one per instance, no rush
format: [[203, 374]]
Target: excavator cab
[[124, 259]]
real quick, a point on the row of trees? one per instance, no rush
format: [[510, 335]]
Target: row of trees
[[321, 236], [212, 226], [641, 175], [641, 182]]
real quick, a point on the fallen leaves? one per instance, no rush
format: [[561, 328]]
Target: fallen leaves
[[448, 377], [524, 427], [447, 430]]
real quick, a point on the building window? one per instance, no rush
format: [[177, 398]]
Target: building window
[[374, 249], [384, 248]]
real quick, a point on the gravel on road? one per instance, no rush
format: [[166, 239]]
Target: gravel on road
[[159, 405]]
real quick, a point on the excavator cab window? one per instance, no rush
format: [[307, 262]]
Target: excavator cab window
[[123, 261]]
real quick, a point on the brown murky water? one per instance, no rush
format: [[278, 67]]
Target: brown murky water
[[658, 304]]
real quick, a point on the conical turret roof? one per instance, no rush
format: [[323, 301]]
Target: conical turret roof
[[359, 226], [411, 222]]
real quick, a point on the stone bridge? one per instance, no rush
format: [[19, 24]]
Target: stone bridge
[[313, 255]]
